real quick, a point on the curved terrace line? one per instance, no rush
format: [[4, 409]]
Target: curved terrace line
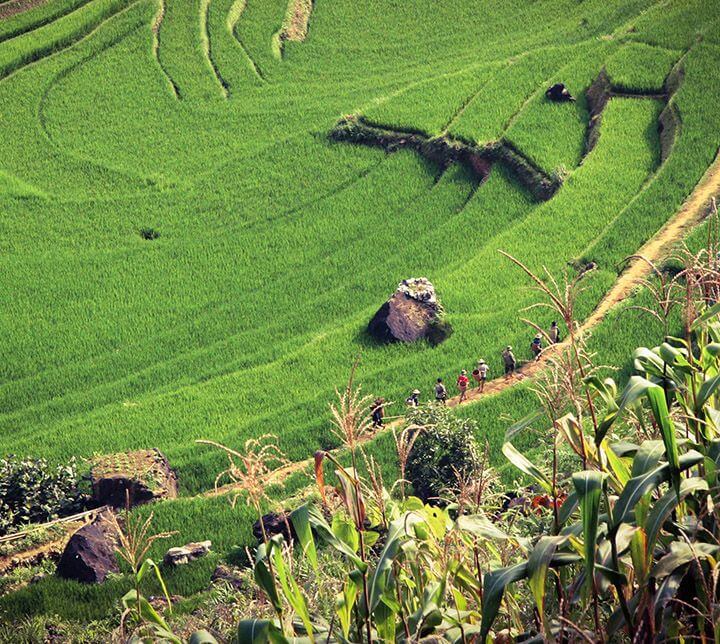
[[157, 22], [233, 17], [51, 17], [50, 49], [207, 46]]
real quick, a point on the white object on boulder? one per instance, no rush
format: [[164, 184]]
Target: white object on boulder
[[187, 553]]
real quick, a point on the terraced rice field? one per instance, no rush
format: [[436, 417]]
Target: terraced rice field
[[274, 245]]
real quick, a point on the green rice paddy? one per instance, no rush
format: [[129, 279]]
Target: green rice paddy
[[273, 246]]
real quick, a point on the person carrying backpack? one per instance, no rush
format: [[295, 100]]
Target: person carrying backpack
[[440, 391], [509, 361], [479, 374], [536, 347], [378, 413], [462, 383], [554, 333]]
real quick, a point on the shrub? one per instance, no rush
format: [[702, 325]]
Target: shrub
[[31, 491], [445, 450]]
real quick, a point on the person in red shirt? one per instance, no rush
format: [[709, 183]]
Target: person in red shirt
[[462, 383]]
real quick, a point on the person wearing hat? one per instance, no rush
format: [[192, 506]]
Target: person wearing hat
[[536, 346], [509, 361], [462, 383], [413, 400], [480, 374]]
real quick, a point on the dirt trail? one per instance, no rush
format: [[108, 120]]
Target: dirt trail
[[693, 211]]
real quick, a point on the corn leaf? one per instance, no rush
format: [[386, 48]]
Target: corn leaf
[[588, 486]]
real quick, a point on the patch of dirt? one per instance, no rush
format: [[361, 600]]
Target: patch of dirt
[[295, 27], [14, 7]]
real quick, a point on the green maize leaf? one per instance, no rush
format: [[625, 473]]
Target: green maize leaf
[[300, 519], [346, 601], [707, 390], [525, 466], [324, 532], [617, 464], [352, 495], [149, 564], [428, 613], [647, 457], [480, 526], [680, 554], [523, 424], [131, 600], [263, 577], [676, 358], [708, 315], [494, 586], [538, 564], [291, 590], [344, 529], [202, 637], [638, 486], [658, 404], [260, 631], [398, 532], [568, 507], [650, 363], [662, 508], [588, 486]]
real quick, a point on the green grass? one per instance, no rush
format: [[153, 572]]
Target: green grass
[[275, 245]]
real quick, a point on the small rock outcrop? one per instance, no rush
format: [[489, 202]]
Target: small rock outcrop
[[187, 553], [89, 554], [559, 93], [275, 524], [412, 313], [140, 476]]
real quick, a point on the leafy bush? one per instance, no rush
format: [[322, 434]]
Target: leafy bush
[[445, 450], [31, 491]]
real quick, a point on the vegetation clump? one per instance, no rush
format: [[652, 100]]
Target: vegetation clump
[[32, 491], [445, 451]]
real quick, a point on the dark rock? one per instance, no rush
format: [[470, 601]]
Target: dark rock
[[558, 93], [90, 554], [411, 313], [223, 573], [275, 524], [187, 553], [134, 477]]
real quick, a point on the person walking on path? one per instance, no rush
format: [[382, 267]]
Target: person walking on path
[[378, 413], [462, 383], [413, 400], [440, 391], [509, 361], [554, 334], [536, 346], [480, 374]]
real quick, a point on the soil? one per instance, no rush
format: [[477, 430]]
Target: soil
[[14, 7]]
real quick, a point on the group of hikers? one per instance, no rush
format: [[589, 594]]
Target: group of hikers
[[479, 375]]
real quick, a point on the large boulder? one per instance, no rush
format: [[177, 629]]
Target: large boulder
[[90, 553], [137, 477], [412, 313]]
